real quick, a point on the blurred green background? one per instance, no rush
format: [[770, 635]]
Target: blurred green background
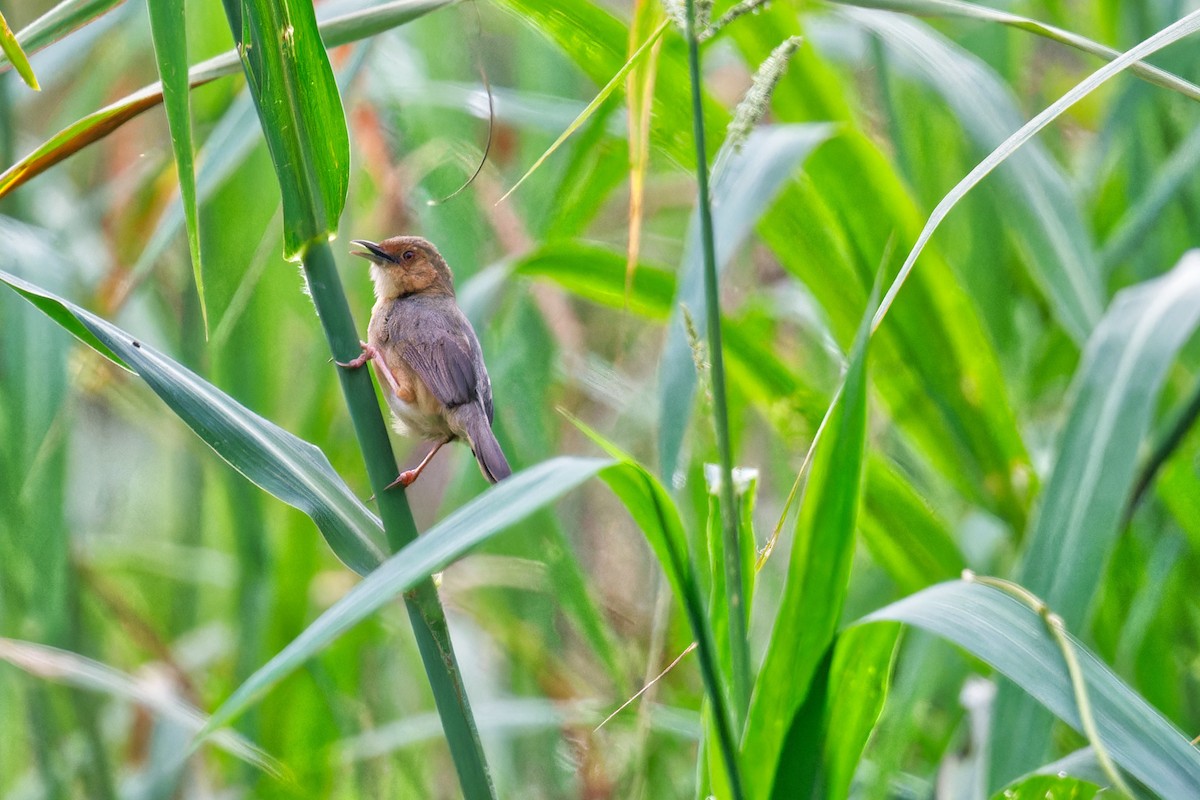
[[1022, 423]]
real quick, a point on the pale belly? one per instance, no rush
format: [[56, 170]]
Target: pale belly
[[421, 417]]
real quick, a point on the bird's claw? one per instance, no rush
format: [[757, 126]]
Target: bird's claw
[[404, 479], [368, 352]]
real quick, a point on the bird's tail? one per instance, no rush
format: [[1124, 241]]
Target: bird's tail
[[487, 450]]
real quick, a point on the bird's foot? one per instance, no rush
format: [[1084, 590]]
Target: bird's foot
[[368, 352], [404, 479]]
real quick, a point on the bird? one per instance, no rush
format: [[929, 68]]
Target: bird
[[427, 354]]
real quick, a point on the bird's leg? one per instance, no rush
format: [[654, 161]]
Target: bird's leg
[[409, 475], [370, 352]]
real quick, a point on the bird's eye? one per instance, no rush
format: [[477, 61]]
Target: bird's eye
[[408, 255]]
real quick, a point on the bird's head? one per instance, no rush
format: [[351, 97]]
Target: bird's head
[[405, 265]]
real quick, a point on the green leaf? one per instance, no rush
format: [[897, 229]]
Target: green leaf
[[955, 8], [169, 30], [1054, 239], [1078, 518], [815, 587], [903, 534], [61, 20], [598, 274], [745, 183], [72, 669], [504, 504], [16, 56], [827, 736], [1173, 33], [1013, 639], [293, 470], [95, 126], [301, 114]]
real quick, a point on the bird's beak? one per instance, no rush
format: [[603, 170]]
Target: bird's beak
[[373, 251]]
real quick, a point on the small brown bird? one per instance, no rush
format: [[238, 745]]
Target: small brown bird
[[426, 353]]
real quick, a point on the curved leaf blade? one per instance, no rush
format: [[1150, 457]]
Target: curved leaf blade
[[1169, 35], [997, 628], [288, 467], [1055, 240]]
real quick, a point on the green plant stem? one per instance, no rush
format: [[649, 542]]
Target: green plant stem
[[424, 608], [739, 656]]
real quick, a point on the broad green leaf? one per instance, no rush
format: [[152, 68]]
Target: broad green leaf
[[598, 274], [72, 669], [16, 56], [956, 8], [293, 470], [339, 30], [1056, 244], [59, 21], [815, 588], [1079, 513], [744, 185], [1012, 638], [168, 27], [300, 111]]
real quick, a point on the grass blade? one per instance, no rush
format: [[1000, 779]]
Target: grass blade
[[168, 27], [300, 108], [92, 128], [1079, 513], [956, 8], [289, 468], [1173, 33], [1051, 230], [16, 56], [591, 107], [817, 576], [60, 21], [1010, 636]]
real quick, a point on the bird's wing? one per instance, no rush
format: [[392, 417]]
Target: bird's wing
[[446, 356]]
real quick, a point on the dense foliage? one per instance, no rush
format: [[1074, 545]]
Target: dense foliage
[[947, 380]]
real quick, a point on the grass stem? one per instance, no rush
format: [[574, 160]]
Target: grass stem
[[733, 568]]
